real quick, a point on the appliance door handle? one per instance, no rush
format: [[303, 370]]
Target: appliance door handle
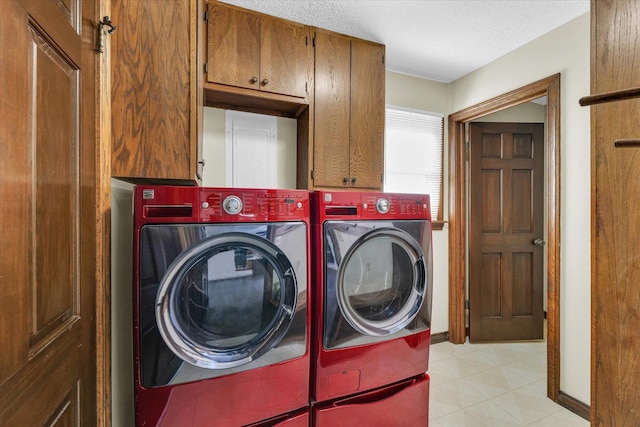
[[378, 395]]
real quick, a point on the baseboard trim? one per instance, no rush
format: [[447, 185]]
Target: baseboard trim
[[574, 405], [440, 337]]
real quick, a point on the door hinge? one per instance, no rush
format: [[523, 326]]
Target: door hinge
[[466, 146], [313, 42], [206, 15], [466, 304], [106, 22], [206, 68], [383, 59], [312, 175]]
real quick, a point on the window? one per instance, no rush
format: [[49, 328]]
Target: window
[[413, 154]]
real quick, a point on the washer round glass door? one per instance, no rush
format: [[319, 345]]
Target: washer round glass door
[[381, 282], [226, 300]]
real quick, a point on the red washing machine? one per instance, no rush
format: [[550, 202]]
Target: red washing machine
[[372, 309], [221, 310]]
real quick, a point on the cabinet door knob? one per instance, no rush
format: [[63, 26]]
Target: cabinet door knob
[[265, 82], [254, 79], [353, 180], [345, 180]]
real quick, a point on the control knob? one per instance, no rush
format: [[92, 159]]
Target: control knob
[[232, 205], [382, 205]]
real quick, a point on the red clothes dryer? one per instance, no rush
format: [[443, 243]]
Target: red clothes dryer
[[372, 288], [221, 311]]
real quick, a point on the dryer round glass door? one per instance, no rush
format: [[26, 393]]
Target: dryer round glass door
[[381, 282], [226, 300]]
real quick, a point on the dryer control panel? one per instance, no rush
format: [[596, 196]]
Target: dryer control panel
[[204, 204], [370, 205]]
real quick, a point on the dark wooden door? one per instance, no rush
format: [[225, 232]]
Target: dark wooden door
[[505, 218], [47, 213]]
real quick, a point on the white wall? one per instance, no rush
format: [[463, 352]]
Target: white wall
[[122, 410], [420, 94], [565, 50], [213, 150]]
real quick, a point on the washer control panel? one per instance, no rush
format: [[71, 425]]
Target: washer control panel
[[232, 205], [382, 205]]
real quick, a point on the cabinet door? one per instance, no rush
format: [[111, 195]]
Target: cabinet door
[[616, 266], [615, 44], [283, 57], [331, 129], [233, 50], [154, 96], [367, 115]]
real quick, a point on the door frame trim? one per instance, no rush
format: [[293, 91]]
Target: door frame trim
[[458, 257]]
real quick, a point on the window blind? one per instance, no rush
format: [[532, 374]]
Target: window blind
[[413, 154]]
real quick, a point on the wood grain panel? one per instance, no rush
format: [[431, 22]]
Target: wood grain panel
[[67, 414], [48, 214], [491, 211], [523, 297], [616, 58], [522, 146], [153, 97], [332, 112], [14, 190], [70, 8], [56, 152], [615, 223], [522, 201], [491, 146], [616, 266], [367, 114], [490, 289], [283, 56], [233, 41]]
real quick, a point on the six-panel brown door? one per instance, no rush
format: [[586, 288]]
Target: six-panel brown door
[[506, 231], [47, 213]]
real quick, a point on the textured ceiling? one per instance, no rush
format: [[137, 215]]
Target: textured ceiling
[[437, 39]]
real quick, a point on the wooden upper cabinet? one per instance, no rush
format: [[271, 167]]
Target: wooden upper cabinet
[[367, 114], [349, 112], [332, 113], [615, 41], [255, 51], [233, 56], [156, 96]]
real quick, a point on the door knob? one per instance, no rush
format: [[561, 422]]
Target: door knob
[[265, 82], [254, 80], [539, 242]]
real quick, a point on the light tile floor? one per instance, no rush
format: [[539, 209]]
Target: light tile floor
[[503, 384]]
